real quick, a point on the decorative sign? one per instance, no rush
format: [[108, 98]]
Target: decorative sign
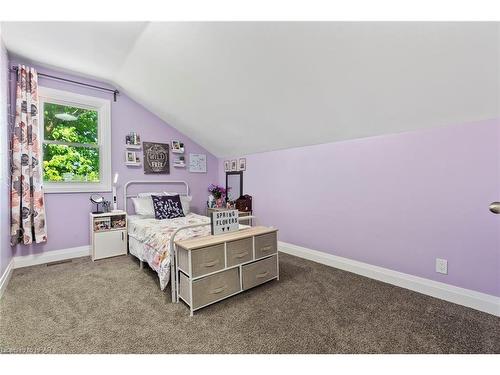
[[225, 221], [198, 163], [156, 158]]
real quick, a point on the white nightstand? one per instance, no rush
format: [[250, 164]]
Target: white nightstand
[[108, 234]]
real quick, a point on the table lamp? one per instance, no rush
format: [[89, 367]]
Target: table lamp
[[115, 181]]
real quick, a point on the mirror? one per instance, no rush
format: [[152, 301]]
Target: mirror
[[234, 185], [97, 199]]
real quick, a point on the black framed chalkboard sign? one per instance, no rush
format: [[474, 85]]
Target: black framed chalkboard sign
[[156, 158]]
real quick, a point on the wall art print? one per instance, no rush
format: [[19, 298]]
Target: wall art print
[[156, 158]]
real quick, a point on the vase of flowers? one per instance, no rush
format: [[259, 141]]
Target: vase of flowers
[[219, 193]]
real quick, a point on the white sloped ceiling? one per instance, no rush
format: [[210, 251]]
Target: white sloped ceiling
[[245, 87]]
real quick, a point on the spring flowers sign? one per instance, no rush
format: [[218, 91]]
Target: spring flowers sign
[[225, 221]]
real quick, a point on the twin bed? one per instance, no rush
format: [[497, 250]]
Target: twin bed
[[149, 240], [156, 242]]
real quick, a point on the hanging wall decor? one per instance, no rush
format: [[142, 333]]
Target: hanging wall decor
[[242, 164], [197, 163], [156, 158], [234, 165]]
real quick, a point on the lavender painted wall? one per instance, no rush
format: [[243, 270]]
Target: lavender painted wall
[[68, 214], [396, 201], [5, 250]]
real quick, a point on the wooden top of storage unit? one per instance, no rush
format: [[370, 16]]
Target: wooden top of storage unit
[[198, 242], [104, 214]]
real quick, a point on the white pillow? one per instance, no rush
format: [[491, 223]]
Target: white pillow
[[143, 206], [185, 201]]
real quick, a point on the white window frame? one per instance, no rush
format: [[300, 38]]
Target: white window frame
[[103, 108]]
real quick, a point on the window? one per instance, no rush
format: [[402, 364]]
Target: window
[[75, 132]]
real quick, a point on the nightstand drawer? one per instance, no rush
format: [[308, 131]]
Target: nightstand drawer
[[240, 251], [109, 244], [259, 272], [265, 244], [207, 260]]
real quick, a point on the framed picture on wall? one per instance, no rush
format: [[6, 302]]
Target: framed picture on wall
[[130, 157], [197, 163], [234, 165], [242, 164], [227, 166], [176, 146], [156, 158]]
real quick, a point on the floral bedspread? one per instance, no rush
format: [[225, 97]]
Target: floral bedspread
[[156, 234]]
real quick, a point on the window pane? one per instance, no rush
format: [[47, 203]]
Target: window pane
[[63, 163], [69, 124]]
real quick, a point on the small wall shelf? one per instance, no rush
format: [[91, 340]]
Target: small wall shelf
[[181, 151], [133, 147], [138, 164]]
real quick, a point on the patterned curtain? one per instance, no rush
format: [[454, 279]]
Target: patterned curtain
[[27, 202]]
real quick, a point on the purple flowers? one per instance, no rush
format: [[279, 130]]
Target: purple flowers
[[217, 191]]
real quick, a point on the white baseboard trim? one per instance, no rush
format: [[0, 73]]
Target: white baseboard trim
[[4, 279], [466, 297], [51, 256]]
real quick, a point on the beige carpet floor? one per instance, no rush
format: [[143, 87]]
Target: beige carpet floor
[[111, 306]]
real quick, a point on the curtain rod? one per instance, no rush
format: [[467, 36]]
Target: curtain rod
[[114, 91]]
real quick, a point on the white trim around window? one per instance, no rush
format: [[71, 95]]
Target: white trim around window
[[103, 107]]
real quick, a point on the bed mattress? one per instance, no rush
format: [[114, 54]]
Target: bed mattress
[[150, 239]]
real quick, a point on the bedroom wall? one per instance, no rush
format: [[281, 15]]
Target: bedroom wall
[[68, 214], [397, 201], [5, 250]]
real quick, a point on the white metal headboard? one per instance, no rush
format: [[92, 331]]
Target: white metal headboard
[[126, 196]]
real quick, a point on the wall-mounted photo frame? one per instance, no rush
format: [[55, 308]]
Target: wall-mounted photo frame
[[130, 157], [198, 163], [156, 158], [227, 166], [177, 147], [242, 164], [234, 165]]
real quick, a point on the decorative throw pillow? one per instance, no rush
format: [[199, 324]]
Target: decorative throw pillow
[[185, 201], [167, 206]]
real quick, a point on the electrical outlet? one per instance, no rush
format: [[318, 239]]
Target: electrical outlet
[[442, 266]]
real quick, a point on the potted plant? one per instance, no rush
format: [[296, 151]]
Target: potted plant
[[218, 192]]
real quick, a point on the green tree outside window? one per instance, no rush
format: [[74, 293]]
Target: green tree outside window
[[70, 144]]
